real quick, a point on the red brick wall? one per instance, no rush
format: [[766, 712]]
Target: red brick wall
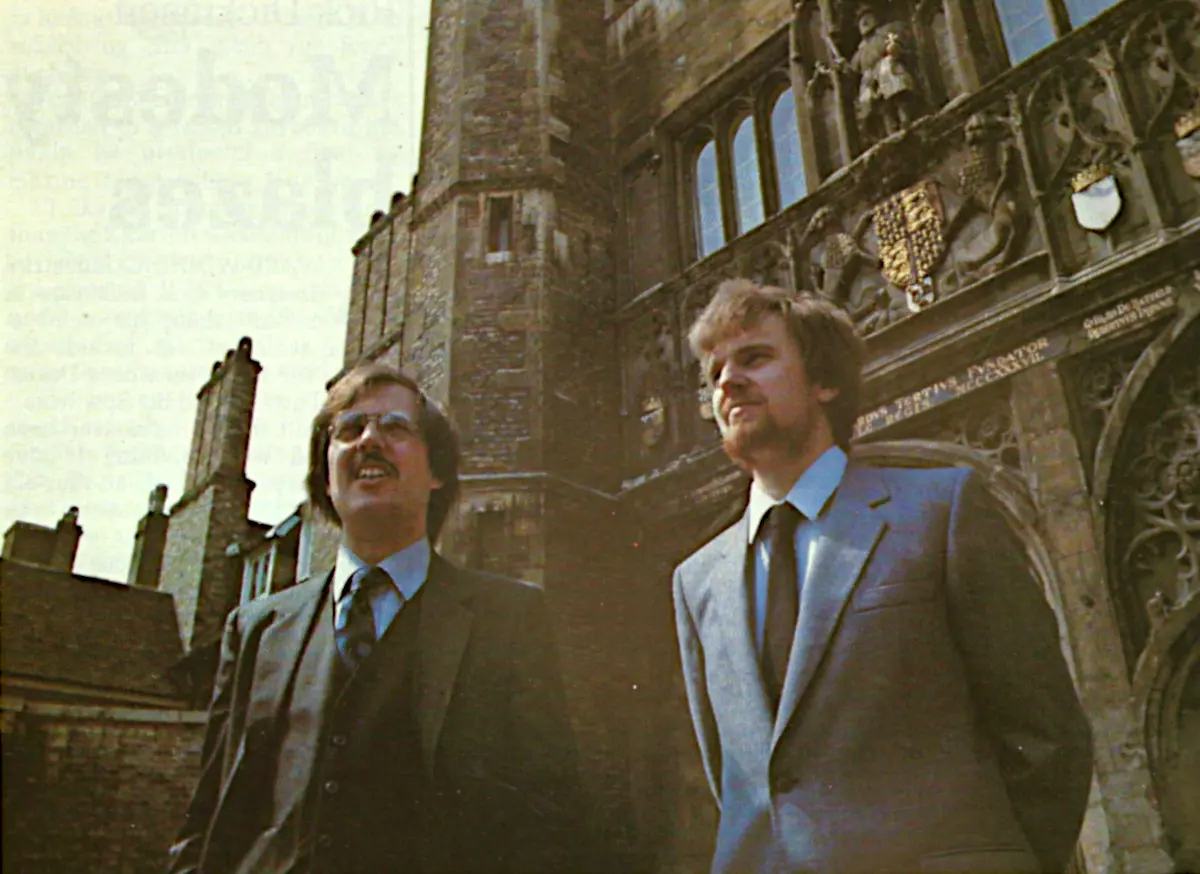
[[91, 789]]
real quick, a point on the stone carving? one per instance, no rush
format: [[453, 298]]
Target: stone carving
[[1075, 110], [988, 183], [888, 98], [1157, 608], [988, 428], [835, 261], [909, 225], [1097, 199], [653, 417], [650, 365], [767, 263], [1187, 141], [1161, 551], [1161, 51]]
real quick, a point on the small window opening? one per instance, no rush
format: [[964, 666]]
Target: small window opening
[[500, 225]]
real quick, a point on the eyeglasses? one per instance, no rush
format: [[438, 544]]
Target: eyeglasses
[[393, 425]]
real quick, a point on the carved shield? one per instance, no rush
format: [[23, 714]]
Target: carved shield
[[909, 225], [1097, 205], [653, 420]]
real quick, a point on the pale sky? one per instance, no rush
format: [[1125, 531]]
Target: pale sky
[[179, 174]]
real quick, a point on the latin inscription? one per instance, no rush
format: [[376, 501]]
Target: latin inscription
[[1129, 313], [976, 376]]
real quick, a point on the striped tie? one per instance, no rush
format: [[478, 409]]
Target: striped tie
[[354, 625]]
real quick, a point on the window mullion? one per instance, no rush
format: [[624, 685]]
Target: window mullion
[[768, 172], [725, 171], [1059, 18]]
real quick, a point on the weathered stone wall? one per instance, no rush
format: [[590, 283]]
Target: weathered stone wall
[[95, 789], [427, 324], [665, 52]]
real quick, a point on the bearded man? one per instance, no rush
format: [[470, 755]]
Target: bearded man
[[874, 675]]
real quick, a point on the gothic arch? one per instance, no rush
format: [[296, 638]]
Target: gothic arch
[[1114, 448], [1122, 406], [1009, 489], [1146, 500], [1166, 694]]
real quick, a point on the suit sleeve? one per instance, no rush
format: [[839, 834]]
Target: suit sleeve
[[547, 831], [1019, 680], [187, 850], [692, 656]]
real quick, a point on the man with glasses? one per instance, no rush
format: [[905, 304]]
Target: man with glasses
[[398, 713]]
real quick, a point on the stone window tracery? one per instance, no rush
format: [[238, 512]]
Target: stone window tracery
[[747, 181], [710, 232], [785, 142], [1028, 26], [744, 164]]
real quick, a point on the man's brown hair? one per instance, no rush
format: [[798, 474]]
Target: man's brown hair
[[829, 346], [435, 428]]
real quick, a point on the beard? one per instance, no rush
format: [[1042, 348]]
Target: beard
[[744, 440]]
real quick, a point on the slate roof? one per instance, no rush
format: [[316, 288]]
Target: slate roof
[[66, 628]]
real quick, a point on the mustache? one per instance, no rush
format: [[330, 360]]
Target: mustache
[[732, 400], [374, 458]]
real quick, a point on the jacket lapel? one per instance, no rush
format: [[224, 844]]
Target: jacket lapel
[[727, 586], [445, 626], [282, 645], [840, 549]]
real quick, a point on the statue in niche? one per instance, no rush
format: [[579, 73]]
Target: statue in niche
[[888, 97], [835, 261], [988, 185]]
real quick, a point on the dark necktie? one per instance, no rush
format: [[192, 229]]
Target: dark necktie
[[354, 627], [783, 597]]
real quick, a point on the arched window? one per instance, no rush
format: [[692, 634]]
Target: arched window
[[1082, 11], [1027, 27], [789, 164], [710, 234], [747, 186]]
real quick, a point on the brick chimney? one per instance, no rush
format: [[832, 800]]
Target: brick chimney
[[66, 541], [53, 548], [149, 542]]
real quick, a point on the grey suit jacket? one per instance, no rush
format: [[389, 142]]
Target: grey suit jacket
[[495, 741], [928, 721]]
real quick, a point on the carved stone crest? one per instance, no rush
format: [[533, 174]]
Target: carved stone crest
[[1187, 140], [1097, 198], [910, 226]]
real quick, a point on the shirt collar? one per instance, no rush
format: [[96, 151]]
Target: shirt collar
[[810, 493], [408, 568]]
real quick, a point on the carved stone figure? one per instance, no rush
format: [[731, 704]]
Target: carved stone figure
[[888, 98], [988, 184], [835, 260]]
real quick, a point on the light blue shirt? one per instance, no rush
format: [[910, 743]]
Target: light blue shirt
[[408, 569], [809, 495]]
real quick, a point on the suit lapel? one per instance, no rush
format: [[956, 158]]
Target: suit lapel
[[842, 544], [727, 586], [282, 647], [445, 626]]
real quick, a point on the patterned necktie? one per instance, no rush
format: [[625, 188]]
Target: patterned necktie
[[783, 597], [354, 625]]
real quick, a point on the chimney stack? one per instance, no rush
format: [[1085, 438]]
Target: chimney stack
[[149, 542], [66, 541]]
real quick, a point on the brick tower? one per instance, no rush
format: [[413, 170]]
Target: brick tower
[[213, 512], [493, 282]]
